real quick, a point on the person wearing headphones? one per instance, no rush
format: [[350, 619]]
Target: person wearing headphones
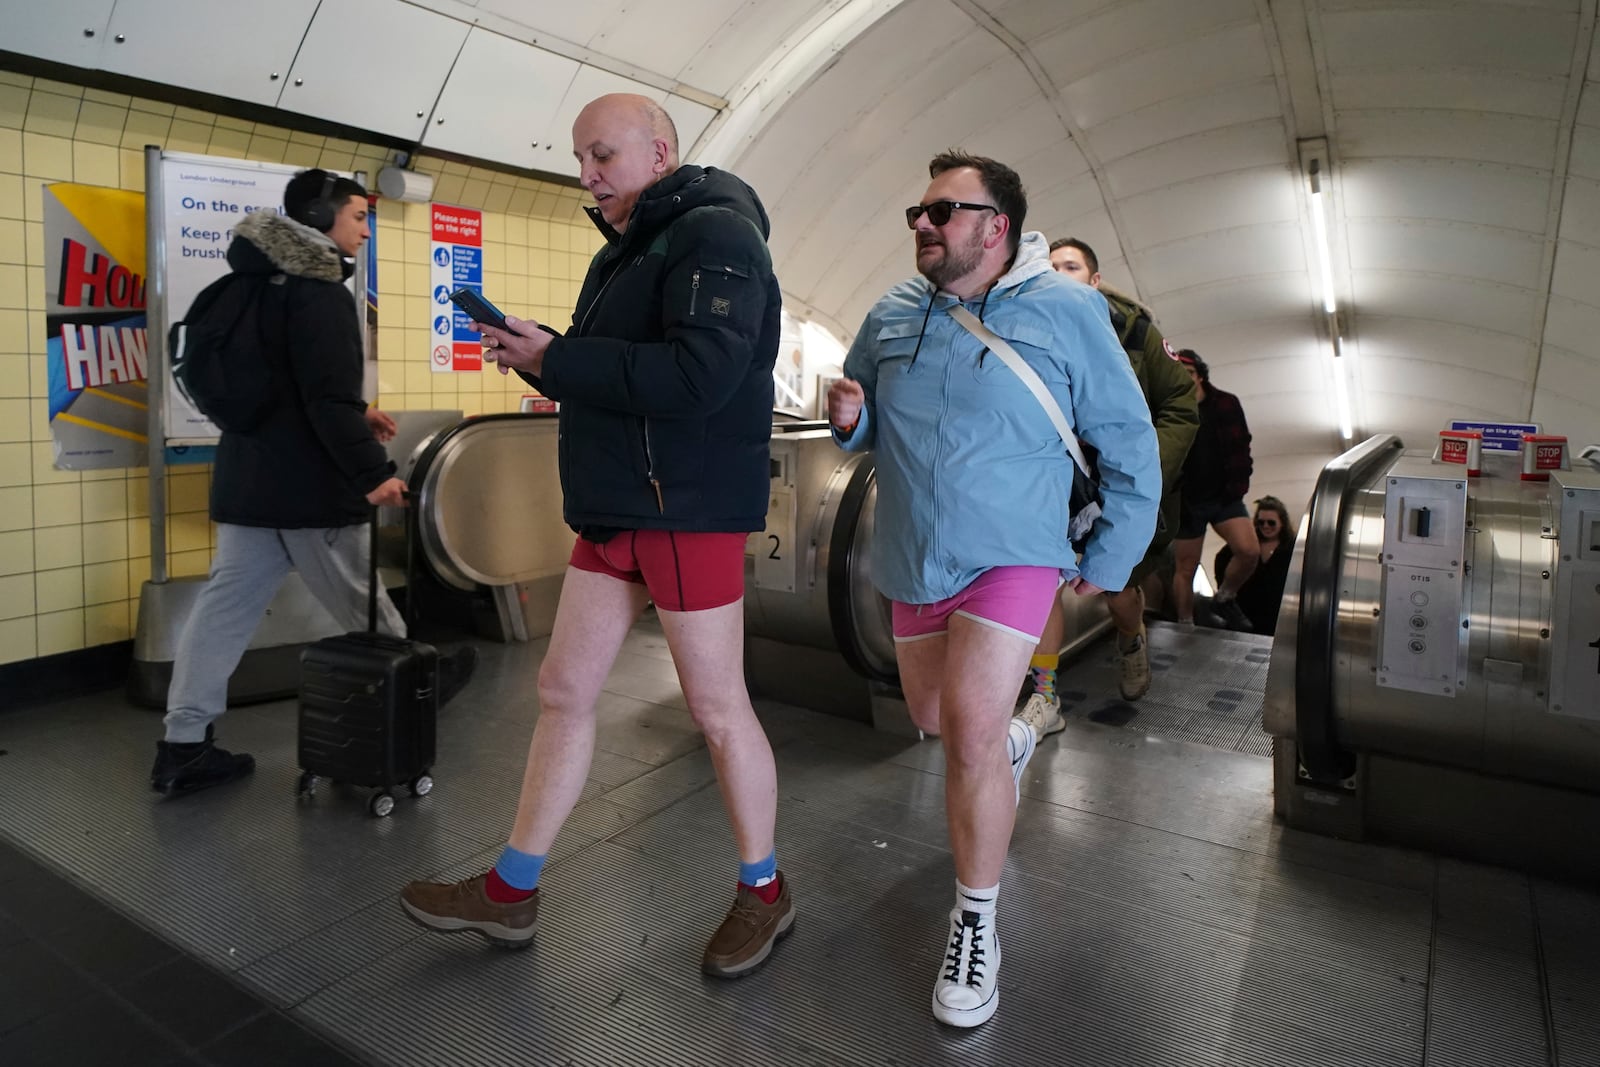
[[297, 489]]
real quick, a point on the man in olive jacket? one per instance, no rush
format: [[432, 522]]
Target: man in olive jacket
[[1176, 415], [296, 490], [665, 385]]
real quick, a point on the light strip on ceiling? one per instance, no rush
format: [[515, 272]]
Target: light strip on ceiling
[[1319, 231], [1341, 390]]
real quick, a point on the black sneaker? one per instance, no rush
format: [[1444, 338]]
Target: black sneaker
[[1231, 615], [455, 670], [188, 768]]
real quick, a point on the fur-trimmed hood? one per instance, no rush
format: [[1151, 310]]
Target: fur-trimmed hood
[[266, 242]]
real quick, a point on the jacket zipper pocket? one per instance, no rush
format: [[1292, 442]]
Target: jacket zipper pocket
[[694, 291], [650, 470]]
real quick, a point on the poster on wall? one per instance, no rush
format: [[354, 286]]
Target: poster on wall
[[95, 326], [457, 260]]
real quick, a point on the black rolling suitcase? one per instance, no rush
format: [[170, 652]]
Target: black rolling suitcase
[[369, 706]]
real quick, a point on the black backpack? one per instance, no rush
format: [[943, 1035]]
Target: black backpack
[[223, 350]]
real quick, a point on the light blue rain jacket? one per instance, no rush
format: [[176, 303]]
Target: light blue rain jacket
[[971, 471]]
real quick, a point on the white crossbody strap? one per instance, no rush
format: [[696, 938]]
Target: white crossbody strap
[[1009, 357]]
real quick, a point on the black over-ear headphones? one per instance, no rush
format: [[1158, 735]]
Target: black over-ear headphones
[[320, 213]]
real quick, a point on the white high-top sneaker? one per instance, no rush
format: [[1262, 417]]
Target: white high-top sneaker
[[968, 990], [1020, 743]]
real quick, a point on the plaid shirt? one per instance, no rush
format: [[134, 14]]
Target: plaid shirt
[[1218, 467]]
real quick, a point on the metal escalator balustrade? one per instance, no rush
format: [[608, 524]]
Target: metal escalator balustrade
[[1440, 629], [487, 492]]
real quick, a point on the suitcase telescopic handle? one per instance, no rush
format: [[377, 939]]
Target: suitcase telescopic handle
[[372, 576]]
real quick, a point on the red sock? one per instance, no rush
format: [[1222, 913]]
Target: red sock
[[496, 889], [769, 892]]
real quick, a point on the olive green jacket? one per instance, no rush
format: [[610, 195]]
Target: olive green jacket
[[1167, 389]]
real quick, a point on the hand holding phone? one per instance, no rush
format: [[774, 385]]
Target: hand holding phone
[[472, 303]]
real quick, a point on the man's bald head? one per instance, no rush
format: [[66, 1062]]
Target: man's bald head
[[639, 115], [624, 143]]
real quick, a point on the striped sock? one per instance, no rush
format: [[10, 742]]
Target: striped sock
[[1043, 670], [981, 901]]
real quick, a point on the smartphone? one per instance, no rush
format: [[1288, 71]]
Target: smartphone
[[472, 303]]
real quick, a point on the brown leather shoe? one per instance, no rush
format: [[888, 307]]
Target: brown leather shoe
[[465, 906], [745, 939]]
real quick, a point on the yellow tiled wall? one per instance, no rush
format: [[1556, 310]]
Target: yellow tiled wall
[[75, 547]]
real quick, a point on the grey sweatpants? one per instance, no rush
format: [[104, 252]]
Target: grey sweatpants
[[249, 565]]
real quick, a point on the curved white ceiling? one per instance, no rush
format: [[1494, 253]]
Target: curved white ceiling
[[1461, 139]]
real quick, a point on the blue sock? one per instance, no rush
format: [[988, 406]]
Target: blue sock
[[760, 872], [519, 870]]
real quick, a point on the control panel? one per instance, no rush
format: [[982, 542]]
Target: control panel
[[775, 551], [1575, 620], [1424, 614]]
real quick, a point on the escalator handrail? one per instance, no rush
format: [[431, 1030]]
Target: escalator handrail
[[422, 499], [1317, 737], [841, 555]]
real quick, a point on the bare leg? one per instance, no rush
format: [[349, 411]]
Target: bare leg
[[921, 665], [708, 650], [1187, 551], [1127, 610], [1055, 627], [974, 668], [594, 616], [1240, 534]]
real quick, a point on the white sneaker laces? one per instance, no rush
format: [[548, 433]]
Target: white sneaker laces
[[966, 951]]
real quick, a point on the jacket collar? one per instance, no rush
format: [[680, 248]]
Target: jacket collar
[[1032, 260], [279, 243], [656, 206]]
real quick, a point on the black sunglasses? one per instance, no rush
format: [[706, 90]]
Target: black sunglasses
[[939, 211], [1266, 522]]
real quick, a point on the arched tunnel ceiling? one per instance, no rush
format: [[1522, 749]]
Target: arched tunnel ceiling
[[1464, 140], [1460, 139]]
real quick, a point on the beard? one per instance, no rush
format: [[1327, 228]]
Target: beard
[[955, 261]]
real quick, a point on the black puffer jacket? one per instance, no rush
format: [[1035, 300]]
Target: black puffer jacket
[[313, 460], [665, 377]]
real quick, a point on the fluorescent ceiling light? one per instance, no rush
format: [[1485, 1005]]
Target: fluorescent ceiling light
[[1341, 391], [1319, 230]]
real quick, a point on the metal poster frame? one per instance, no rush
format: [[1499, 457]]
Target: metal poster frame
[[157, 318]]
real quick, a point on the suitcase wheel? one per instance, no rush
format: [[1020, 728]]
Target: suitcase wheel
[[420, 786], [306, 788], [381, 804]]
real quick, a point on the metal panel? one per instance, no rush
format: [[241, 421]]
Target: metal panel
[[1234, 53], [1249, 146], [1182, 115], [1528, 144], [587, 84], [1219, 203], [219, 52], [1513, 198], [661, 37], [1575, 625], [1393, 36], [64, 31], [373, 64], [1444, 248], [492, 71], [1425, 601]]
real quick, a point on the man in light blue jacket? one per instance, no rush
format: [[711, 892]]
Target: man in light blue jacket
[[971, 541]]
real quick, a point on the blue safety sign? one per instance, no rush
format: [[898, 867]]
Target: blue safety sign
[[1497, 436]]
